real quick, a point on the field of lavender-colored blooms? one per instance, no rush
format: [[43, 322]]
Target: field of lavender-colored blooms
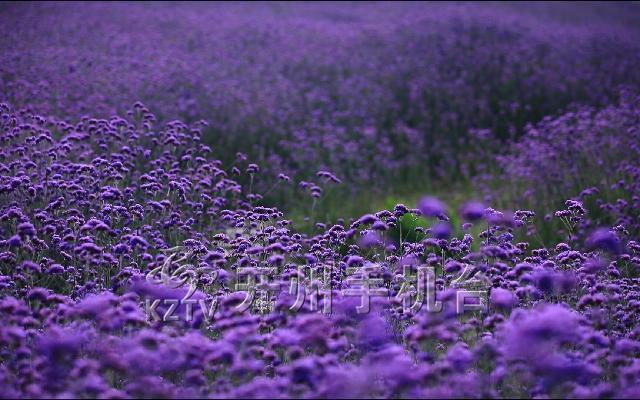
[[320, 200]]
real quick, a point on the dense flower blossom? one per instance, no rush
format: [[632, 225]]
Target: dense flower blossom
[[148, 253]]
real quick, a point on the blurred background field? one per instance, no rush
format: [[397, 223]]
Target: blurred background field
[[395, 99]]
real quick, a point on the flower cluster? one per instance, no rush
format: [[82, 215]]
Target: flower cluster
[[368, 92], [94, 212], [142, 254]]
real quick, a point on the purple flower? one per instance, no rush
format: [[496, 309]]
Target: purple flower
[[431, 207], [604, 239], [442, 230], [369, 239], [138, 241], [472, 211], [14, 241], [374, 333], [39, 294], [593, 265], [502, 299], [31, 266], [55, 269], [276, 260], [366, 219], [533, 335], [26, 229], [379, 226], [355, 261]]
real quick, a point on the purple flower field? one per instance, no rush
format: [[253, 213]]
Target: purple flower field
[[194, 200]]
